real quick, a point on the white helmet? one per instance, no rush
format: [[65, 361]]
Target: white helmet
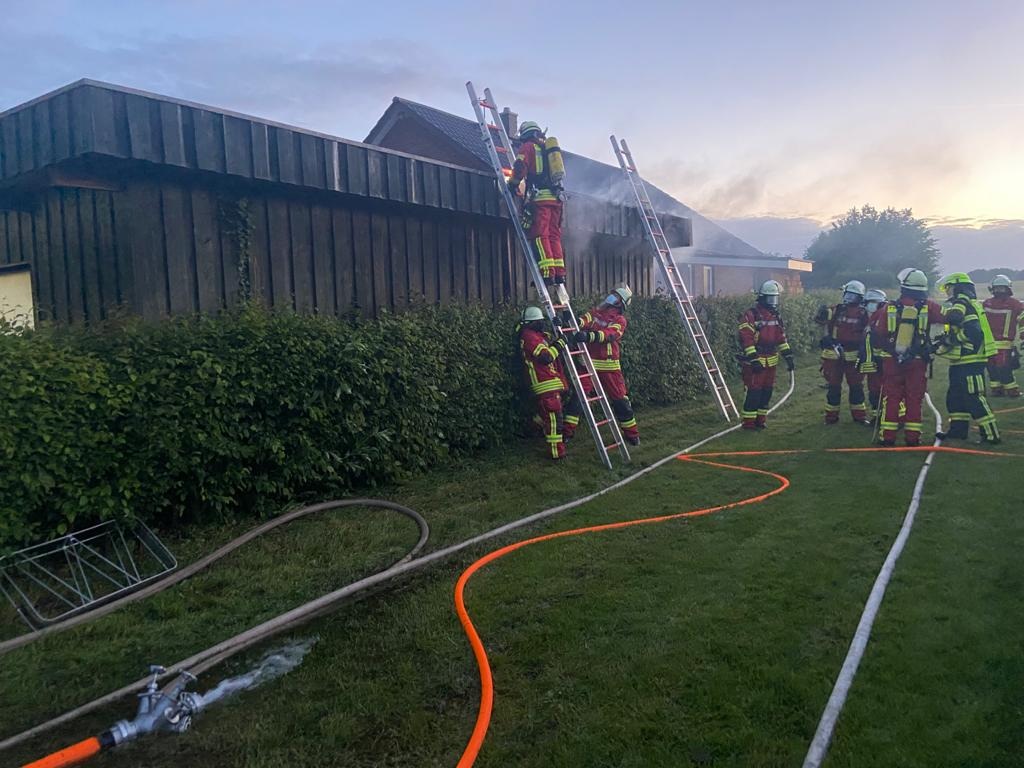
[[874, 298], [853, 292], [1001, 281], [913, 279], [769, 293], [532, 314]]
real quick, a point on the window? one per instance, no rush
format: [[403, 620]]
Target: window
[[709, 281], [16, 305]]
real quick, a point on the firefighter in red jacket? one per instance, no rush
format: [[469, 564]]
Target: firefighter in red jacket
[[872, 358], [537, 175], [845, 325], [763, 340], [904, 329], [547, 381], [1006, 318], [602, 328]]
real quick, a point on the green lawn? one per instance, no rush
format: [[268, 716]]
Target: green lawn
[[712, 641]]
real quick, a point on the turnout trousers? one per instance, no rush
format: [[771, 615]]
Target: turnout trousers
[[614, 384], [545, 234], [759, 388], [834, 372], [550, 419], [965, 400], [904, 387], [1000, 375]]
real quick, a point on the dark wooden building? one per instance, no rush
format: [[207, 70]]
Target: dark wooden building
[[121, 201]]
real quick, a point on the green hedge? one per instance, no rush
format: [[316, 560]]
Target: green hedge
[[203, 418]]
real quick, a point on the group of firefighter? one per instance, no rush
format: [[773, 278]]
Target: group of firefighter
[[536, 177], [891, 344]]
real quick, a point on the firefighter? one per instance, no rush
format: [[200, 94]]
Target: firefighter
[[602, 329], [763, 340], [537, 175], [1005, 316], [547, 382], [870, 360], [968, 344], [845, 324], [903, 329]]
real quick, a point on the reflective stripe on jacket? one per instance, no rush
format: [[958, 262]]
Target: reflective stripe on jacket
[[608, 326]]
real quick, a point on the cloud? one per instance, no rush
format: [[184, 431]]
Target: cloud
[[327, 88]]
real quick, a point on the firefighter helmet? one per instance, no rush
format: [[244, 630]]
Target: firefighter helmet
[[532, 314], [956, 284], [769, 292], [913, 279], [620, 295], [853, 292], [528, 128], [874, 298], [1001, 281]]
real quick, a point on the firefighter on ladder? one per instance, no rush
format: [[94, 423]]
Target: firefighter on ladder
[[903, 329], [763, 340], [845, 325], [872, 358], [602, 329], [1005, 316], [541, 354], [537, 176], [968, 344]]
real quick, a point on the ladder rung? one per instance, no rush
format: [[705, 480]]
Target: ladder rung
[[601, 423], [611, 446], [487, 104], [593, 399], [500, 149], [584, 374], [577, 351]]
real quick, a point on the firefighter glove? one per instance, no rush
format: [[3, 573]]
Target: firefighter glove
[[822, 315], [827, 342], [581, 337], [756, 366], [790, 365]]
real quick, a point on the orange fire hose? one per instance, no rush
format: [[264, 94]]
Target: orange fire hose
[[483, 719], [72, 755]]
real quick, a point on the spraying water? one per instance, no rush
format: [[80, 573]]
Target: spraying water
[[274, 664]]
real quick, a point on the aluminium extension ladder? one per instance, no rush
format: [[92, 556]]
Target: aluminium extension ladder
[[669, 270], [563, 320]]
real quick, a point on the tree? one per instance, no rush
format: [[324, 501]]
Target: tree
[[871, 246]]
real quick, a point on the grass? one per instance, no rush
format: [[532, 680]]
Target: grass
[[712, 641]]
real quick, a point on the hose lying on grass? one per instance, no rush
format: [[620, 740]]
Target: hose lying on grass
[[207, 658]]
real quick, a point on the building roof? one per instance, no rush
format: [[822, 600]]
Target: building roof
[[584, 176]]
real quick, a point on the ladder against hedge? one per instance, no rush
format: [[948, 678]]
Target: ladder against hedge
[[585, 383]]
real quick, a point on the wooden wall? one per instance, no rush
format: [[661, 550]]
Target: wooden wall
[[158, 247]]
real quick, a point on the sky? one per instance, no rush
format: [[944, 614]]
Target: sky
[[772, 118]]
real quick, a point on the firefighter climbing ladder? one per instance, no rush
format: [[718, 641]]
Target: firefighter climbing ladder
[[578, 353], [681, 296]]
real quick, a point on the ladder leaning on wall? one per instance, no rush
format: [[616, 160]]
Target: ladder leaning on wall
[[677, 287]]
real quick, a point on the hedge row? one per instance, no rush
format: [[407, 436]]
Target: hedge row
[[203, 418]]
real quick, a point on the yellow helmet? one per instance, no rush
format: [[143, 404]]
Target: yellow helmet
[[956, 283]]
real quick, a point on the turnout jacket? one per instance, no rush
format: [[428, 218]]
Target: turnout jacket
[[541, 357], [606, 327], [1006, 319], [763, 336], [846, 324]]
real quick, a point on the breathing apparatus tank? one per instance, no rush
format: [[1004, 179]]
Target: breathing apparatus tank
[[555, 164], [906, 328]]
